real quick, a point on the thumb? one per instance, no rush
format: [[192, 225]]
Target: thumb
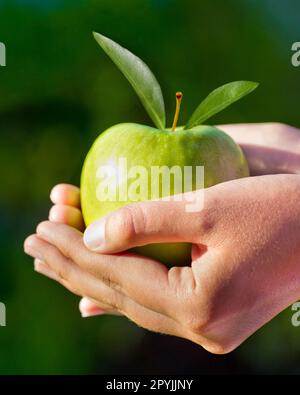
[[144, 223]]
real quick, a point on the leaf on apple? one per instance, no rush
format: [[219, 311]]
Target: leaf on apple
[[220, 99], [140, 77]]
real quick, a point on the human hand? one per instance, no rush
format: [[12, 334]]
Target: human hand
[[270, 148], [66, 210], [245, 261]]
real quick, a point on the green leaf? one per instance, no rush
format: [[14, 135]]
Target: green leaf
[[219, 99], [140, 77]]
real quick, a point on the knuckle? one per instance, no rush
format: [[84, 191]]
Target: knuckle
[[111, 283], [181, 282], [115, 302], [123, 223], [63, 273], [206, 221], [194, 308]]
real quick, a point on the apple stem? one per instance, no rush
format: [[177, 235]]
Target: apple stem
[[176, 116]]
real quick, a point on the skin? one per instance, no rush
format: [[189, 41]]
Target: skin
[[245, 257]]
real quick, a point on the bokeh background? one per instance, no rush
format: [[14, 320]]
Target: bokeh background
[[57, 93]]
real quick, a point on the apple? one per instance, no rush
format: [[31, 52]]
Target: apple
[[118, 168], [146, 147]]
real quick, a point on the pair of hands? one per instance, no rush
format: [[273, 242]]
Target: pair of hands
[[245, 256]]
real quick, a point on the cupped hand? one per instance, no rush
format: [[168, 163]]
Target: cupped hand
[[245, 261], [270, 148]]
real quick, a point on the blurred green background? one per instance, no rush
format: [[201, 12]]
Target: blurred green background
[[58, 92]]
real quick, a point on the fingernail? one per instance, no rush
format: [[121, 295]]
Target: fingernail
[[88, 309], [94, 236], [92, 314], [42, 268]]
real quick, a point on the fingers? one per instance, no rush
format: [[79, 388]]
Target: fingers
[[67, 215], [42, 268], [268, 134], [140, 278], [251, 133], [143, 223], [50, 262], [88, 308], [242, 132], [143, 317], [66, 194], [153, 321], [78, 282], [66, 209]]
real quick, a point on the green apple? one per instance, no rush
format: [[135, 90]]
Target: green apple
[[107, 180], [144, 146]]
